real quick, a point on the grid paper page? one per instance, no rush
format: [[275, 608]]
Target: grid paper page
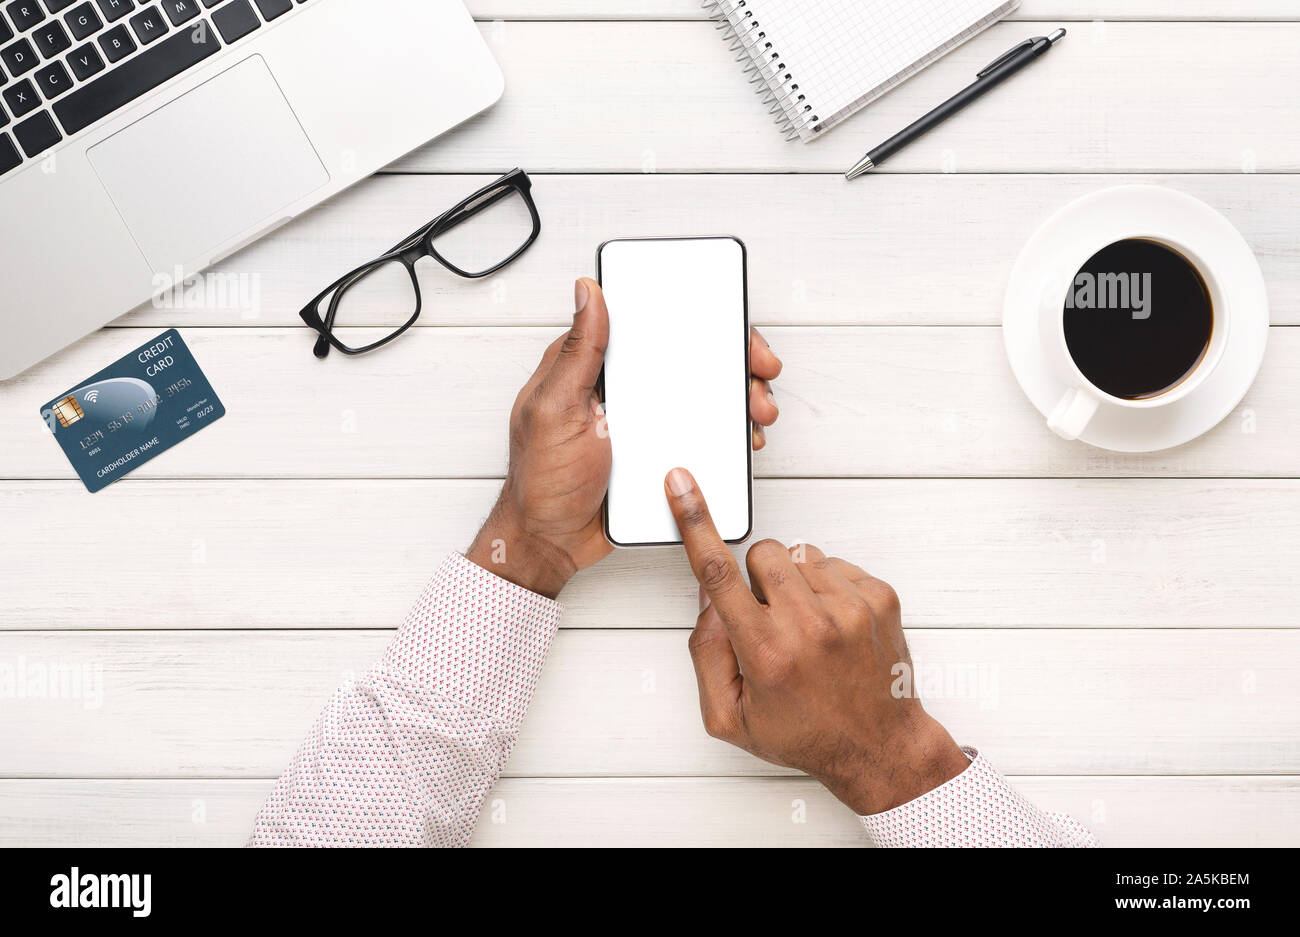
[[845, 53]]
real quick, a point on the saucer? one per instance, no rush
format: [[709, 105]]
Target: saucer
[[1111, 215]]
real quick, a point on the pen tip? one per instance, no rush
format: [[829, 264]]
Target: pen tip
[[1056, 36], [865, 165]]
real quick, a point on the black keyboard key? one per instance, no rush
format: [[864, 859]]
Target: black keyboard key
[[26, 13], [9, 155], [117, 43], [37, 134], [5, 35], [149, 25], [273, 8], [4, 118], [85, 62], [51, 39], [114, 10], [83, 21], [57, 6], [236, 20], [180, 11], [53, 80], [19, 58], [136, 77], [22, 98]]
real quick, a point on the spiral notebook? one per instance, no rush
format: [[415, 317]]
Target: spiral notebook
[[817, 61]]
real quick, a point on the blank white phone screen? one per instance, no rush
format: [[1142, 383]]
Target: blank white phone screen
[[676, 382]]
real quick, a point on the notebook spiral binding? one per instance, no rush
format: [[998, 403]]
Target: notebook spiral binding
[[791, 112]]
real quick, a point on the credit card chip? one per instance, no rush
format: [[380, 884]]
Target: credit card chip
[[68, 411]]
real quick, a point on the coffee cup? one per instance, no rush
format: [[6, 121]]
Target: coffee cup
[[1138, 322]]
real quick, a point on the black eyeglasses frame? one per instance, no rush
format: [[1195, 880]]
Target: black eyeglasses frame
[[414, 248]]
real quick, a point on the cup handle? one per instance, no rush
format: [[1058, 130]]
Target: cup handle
[[1073, 413]]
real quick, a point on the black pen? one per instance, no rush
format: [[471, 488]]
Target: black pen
[[989, 77]]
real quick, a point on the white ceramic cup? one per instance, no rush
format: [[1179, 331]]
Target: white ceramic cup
[[1081, 400]]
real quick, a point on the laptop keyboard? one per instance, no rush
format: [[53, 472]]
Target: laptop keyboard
[[66, 64]]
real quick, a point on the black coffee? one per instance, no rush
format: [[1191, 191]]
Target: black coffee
[[1138, 318]]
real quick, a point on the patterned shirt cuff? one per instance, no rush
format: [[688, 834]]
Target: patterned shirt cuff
[[476, 639], [977, 808]]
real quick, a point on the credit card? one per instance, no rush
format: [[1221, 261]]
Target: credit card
[[133, 410]]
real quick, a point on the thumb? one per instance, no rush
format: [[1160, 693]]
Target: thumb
[[582, 352]]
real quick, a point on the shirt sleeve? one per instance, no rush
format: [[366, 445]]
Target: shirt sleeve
[[979, 807], [405, 755]]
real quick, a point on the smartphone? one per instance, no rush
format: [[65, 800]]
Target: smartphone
[[676, 383]]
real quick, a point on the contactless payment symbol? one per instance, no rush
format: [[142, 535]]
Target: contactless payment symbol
[[68, 411]]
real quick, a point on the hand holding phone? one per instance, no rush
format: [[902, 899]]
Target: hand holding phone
[[546, 524], [548, 521]]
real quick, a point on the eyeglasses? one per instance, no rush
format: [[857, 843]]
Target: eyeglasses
[[476, 237]]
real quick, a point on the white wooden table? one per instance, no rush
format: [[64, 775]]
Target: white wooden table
[[1127, 625]]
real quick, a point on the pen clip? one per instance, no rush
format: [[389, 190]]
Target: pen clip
[[1003, 57]]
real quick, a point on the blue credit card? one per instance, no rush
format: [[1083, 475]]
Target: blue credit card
[[133, 410]]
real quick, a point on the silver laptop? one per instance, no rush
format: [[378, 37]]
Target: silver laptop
[[142, 136]]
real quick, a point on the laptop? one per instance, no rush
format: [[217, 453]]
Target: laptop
[[139, 137]]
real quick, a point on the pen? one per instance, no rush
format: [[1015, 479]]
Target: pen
[[989, 77]]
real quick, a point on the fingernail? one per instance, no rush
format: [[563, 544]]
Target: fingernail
[[771, 398], [760, 437], [704, 599], [680, 482], [580, 292]]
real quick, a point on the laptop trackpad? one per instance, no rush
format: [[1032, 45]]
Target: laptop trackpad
[[208, 166]]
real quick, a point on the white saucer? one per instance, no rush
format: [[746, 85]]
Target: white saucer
[[1110, 215]]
